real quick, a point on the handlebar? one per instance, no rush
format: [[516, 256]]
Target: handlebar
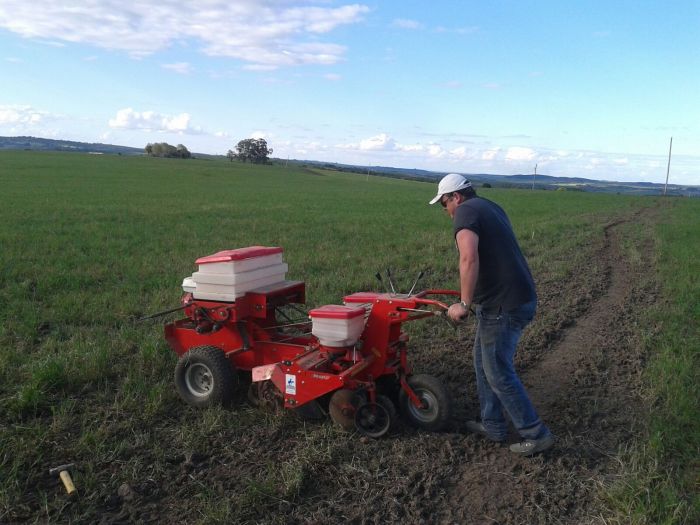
[[437, 292], [420, 299]]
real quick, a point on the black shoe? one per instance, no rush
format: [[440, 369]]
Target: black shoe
[[533, 446], [477, 427]]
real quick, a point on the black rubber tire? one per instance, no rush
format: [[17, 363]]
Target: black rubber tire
[[390, 407], [205, 377], [432, 392], [387, 413]]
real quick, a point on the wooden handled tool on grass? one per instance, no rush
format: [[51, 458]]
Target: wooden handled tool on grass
[[62, 471]]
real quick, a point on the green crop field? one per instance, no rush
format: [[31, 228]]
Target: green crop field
[[90, 243]]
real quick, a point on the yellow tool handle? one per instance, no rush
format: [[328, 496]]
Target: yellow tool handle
[[67, 482]]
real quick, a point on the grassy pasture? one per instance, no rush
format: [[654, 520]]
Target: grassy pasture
[[89, 243]]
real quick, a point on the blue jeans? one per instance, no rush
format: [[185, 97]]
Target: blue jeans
[[499, 386]]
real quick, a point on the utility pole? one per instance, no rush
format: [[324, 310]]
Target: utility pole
[[668, 168], [533, 177]]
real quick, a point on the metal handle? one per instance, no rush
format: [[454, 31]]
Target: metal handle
[[388, 274], [420, 275]]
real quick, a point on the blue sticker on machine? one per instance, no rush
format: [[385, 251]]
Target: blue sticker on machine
[[290, 384]]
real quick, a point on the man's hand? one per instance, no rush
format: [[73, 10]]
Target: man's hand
[[457, 312]]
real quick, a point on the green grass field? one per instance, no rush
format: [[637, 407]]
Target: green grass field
[[90, 243], [661, 475]]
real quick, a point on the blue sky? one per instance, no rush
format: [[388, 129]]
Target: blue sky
[[593, 89]]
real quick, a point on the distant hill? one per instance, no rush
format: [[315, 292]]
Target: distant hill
[[543, 182], [39, 144]]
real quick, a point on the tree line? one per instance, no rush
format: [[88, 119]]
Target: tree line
[[247, 150], [163, 149]]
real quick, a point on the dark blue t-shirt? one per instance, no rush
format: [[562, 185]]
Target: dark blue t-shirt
[[504, 278]]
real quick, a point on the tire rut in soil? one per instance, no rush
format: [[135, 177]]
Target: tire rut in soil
[[584, 388]]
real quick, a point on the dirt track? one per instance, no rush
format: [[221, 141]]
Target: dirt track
[[584, 387], [582, 369]]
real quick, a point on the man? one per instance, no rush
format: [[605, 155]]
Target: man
[[495, 277]]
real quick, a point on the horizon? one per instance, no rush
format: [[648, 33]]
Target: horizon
[[580, 91], [381, 167]]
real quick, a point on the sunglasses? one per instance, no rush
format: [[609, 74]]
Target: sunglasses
[[443, 201]]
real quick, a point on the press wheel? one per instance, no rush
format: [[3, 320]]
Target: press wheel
[[435, 409], [375, 419]]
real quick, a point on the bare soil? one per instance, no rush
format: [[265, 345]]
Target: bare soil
[[582, 370]]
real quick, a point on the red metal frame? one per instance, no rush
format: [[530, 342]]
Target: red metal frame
[[301, 368]]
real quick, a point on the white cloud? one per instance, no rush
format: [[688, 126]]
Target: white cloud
[[21, 115], [150, 120], [182, 68], [490, 154], [333, 77], [460, 152], [447, 154], [436, 151], [382, 142], [258, 135], [309, 148], [179, 123], [404, 23], [316, 146], [387, 144], [518, 154], [264, 33], [410, 147], [459, 30]]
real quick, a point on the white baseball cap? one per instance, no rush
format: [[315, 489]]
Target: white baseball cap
[[449, 183]]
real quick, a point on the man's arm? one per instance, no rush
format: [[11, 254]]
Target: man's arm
[[468, 246]]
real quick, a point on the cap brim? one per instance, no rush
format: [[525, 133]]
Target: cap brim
[[437, 198]]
